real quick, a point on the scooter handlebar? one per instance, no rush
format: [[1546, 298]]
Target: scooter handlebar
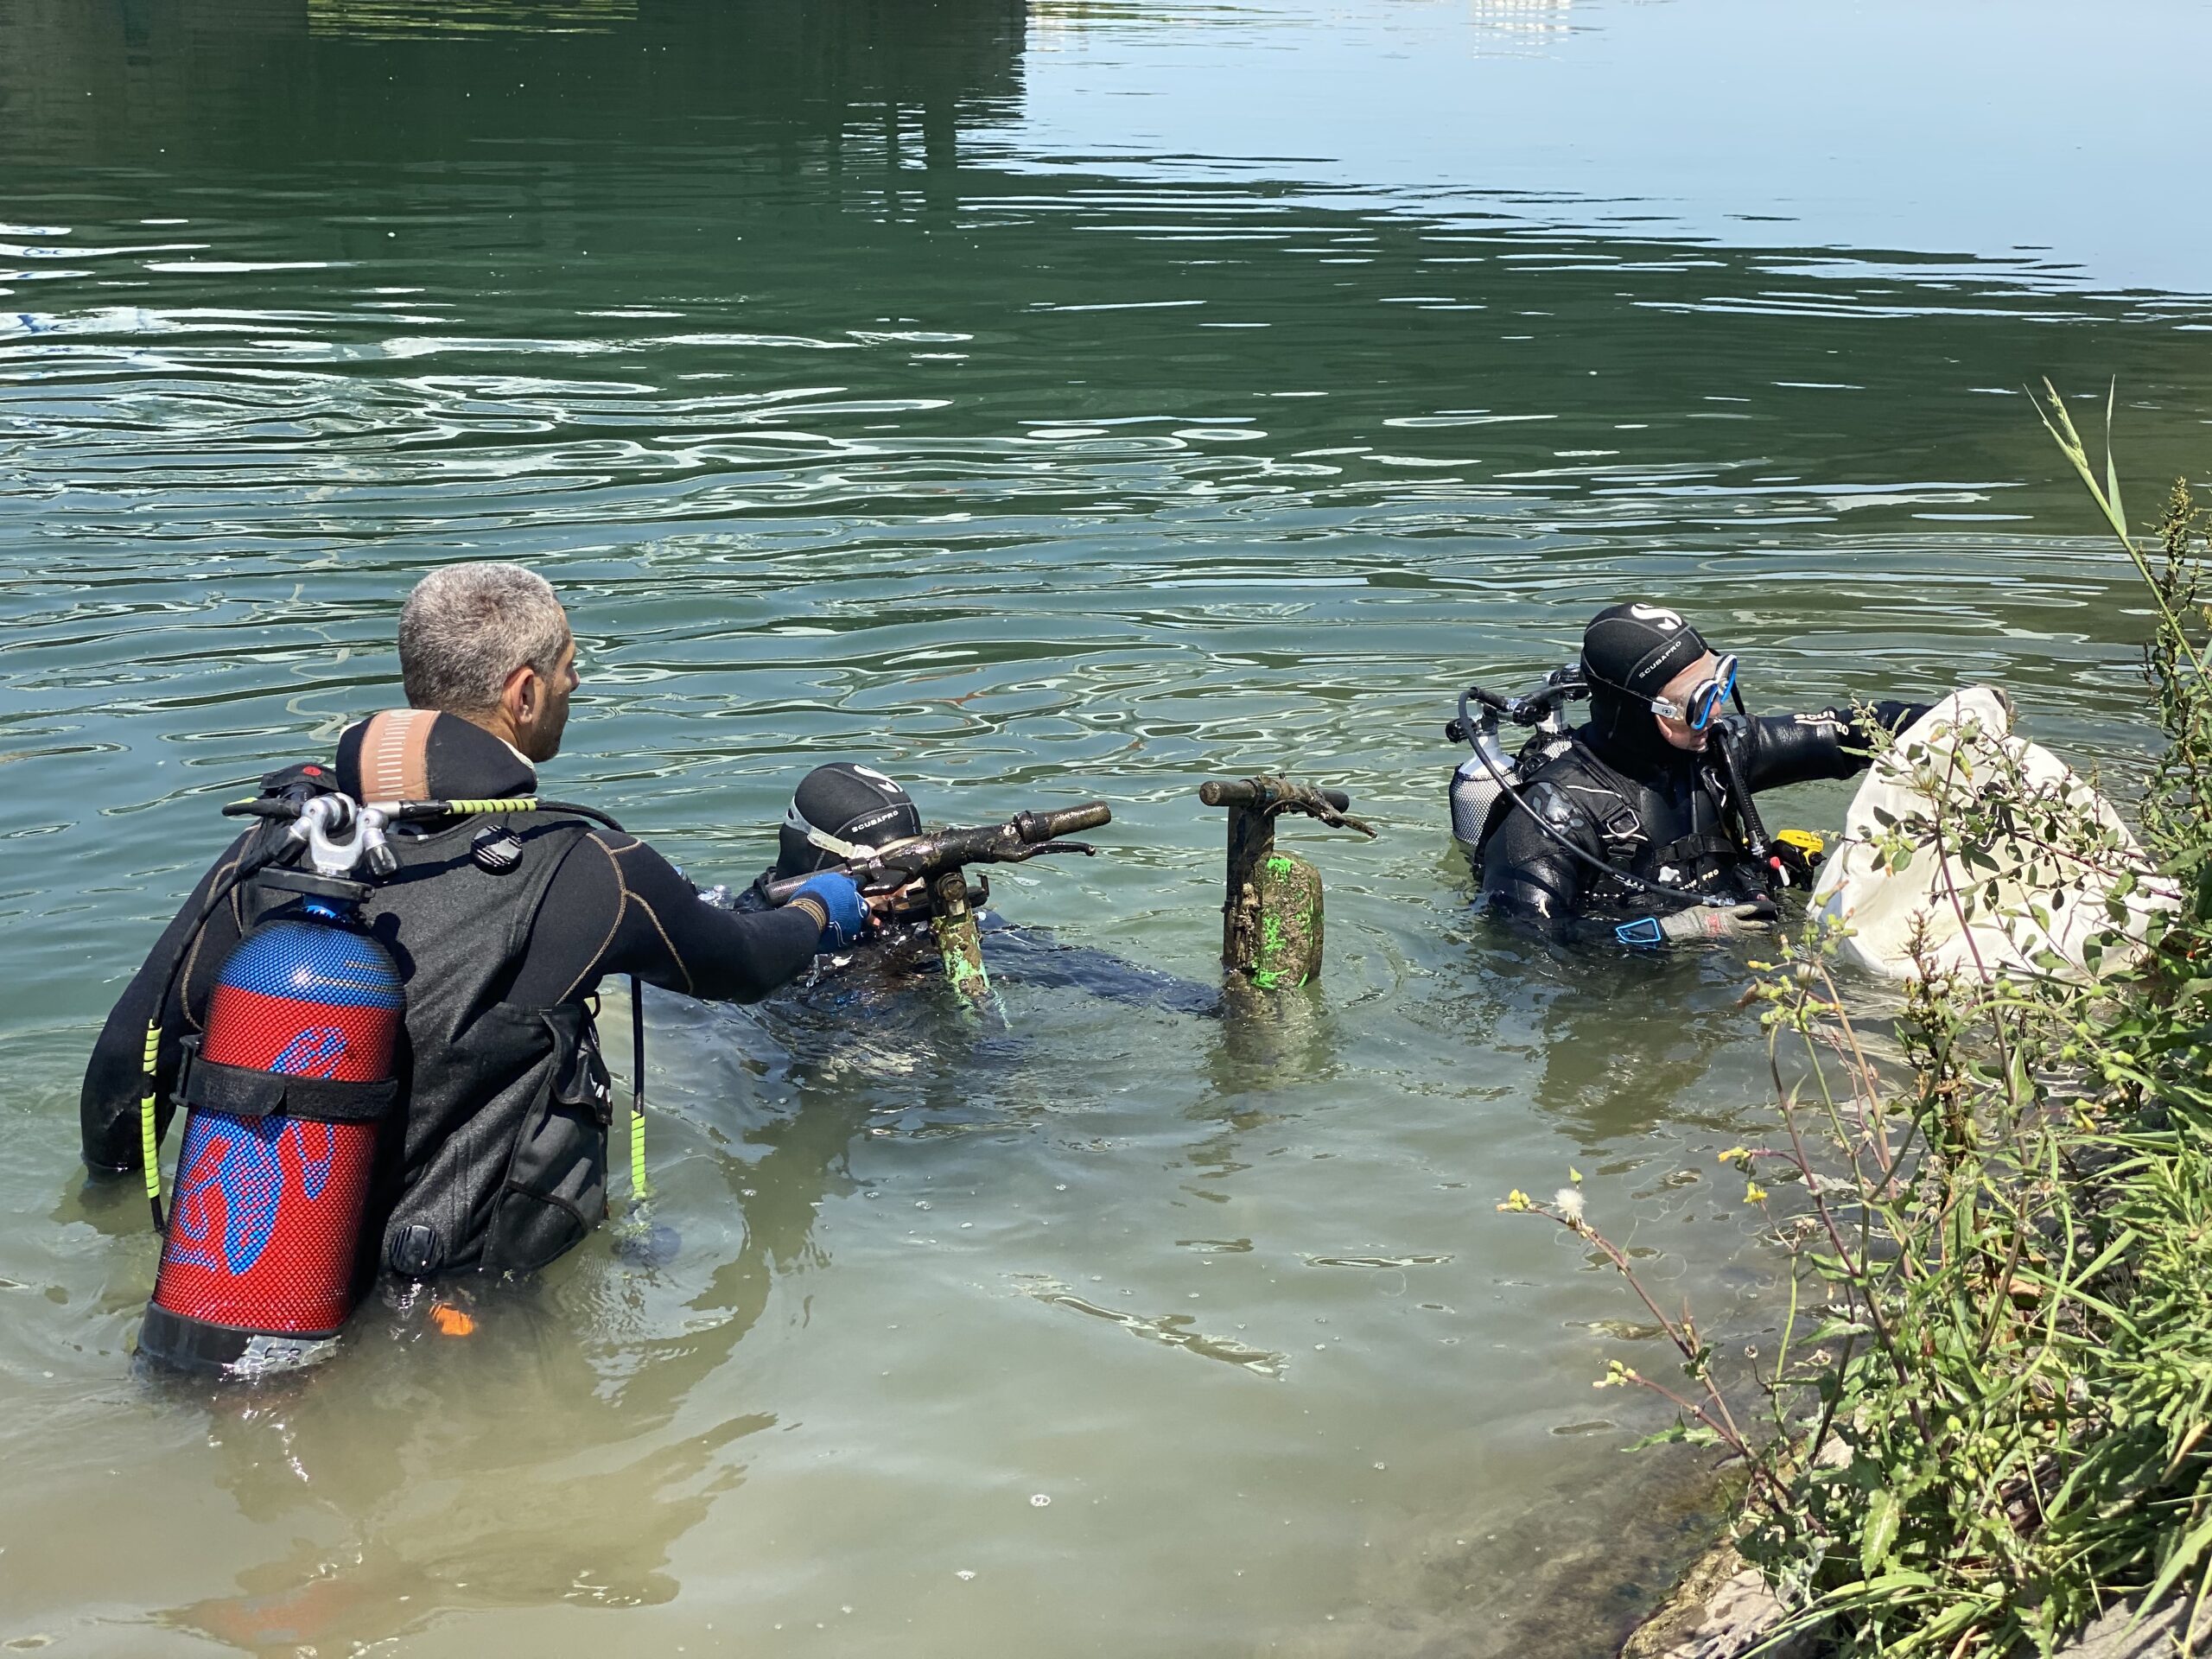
[[1068, 821], [1019, 838], [1244, 792]]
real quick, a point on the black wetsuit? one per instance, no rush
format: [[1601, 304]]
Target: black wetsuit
[[598, 903], [1628, 798]]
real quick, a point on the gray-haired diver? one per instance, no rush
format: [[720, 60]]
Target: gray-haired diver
[[844, 805], [506, 915], [1639, 825]]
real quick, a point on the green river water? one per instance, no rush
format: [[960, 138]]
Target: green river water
[[1044, 404]]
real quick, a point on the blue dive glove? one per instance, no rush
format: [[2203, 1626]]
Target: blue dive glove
[[835, 898]]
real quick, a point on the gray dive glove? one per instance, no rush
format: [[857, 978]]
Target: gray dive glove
[[1699, 922]]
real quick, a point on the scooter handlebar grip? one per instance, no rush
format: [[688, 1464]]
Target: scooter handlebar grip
[[1068, 821], [780, 892], [1242, 792]]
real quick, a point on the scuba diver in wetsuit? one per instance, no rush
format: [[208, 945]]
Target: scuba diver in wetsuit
[[503, 919], [837, 807], [844, 807], [1640, 821]]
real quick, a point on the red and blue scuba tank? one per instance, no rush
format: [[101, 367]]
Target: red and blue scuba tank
[[289, 1087], [285, 1093]]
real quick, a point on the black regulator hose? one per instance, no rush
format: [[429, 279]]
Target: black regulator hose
[[1747, 811], [591, 812], [1663, 889]]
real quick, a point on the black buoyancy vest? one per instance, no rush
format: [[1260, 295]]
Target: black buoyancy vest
[[500, 1161], [1681, 838]]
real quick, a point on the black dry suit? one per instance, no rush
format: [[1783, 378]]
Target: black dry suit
[[1631, 800], [499, 1159]]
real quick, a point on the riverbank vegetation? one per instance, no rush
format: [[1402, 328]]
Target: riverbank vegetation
[[1988, 1419]]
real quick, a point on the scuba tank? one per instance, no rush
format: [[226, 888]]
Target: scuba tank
[[287, 1087], [1483, 780], [285, 1093], [1477, 788]]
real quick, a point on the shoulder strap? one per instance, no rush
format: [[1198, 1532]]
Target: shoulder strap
[[1624, 826], [541, 877]]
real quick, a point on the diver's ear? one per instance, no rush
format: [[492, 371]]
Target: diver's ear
[[523, 695]]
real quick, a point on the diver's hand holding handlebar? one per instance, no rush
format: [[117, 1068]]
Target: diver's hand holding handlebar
[[901, 864], [834, 900]]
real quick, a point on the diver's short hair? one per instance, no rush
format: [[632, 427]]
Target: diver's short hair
[[466, 627]]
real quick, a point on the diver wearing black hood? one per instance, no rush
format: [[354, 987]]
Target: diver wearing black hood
[[835, 810], [1655, 789], [844, 807], [838, 811]]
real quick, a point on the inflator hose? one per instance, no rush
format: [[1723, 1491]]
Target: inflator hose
[[245, 870]]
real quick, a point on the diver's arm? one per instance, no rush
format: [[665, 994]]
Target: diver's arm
[[107, 1107], [616, 906], [1780, 749], [1528, 877]]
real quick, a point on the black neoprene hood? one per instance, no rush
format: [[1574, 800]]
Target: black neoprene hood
[[1629, 654], [852, 803], [1638, 648]]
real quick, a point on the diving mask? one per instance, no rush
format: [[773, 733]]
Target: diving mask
[[1696, 710]]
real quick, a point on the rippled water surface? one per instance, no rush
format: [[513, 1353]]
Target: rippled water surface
[[1043, 404]]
